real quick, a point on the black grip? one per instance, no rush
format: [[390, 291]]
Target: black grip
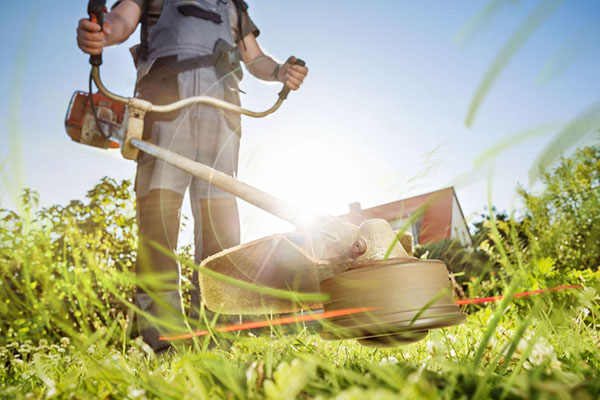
[[286, 90], [96, 59], [96, 12]]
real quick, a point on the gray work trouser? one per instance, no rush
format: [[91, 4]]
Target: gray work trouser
[[200, 133]]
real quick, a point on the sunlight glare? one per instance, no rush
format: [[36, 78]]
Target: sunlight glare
[[306, 174]]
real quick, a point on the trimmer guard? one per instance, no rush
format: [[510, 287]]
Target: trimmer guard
[[402, 297], [282, 261]]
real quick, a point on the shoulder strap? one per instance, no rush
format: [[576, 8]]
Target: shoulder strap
[[241, 7]]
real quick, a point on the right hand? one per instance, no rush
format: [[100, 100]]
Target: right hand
[[91, 37]]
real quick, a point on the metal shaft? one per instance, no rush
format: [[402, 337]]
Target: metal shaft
[[250, 194]]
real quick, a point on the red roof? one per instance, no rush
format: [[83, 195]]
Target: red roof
[[436, 208]]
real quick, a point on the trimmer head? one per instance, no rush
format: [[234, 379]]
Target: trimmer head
[[403, 297], [406, 298]]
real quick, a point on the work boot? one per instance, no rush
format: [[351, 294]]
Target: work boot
[[167, 308]]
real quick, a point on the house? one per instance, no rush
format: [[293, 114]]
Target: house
[[430, 217]]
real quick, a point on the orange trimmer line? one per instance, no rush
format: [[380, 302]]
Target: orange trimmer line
[[271, 322], [496, 298], [339, 313]]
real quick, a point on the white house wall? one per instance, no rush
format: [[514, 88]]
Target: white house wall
[[460, 230]]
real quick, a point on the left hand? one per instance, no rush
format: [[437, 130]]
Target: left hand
[[292, 75]]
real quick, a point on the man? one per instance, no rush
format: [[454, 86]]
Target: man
[[186, 48]]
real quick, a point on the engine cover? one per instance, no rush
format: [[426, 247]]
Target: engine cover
[[81, 126]]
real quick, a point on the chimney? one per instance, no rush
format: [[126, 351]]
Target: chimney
[[354, 208]]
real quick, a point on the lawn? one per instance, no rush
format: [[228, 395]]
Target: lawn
[[546, 353], [66, 331]]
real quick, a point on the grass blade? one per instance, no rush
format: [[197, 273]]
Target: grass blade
[[533, 21]]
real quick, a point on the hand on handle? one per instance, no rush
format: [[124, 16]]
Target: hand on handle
[[91, 34], [292, 74]]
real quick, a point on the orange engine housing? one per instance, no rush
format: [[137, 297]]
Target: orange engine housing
[[80, 123]]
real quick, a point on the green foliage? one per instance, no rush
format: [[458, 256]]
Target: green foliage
[[563, 222], [501, 237], [467, 263], [61, 268], [555, 241], [504, 244], [66, 285]]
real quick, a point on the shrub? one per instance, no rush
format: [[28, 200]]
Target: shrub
[[563, 222], [466, 262], [557, 239], [67, 270]]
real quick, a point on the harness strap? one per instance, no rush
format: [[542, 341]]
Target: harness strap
[[168, 66], [193, 11], [224, 57]]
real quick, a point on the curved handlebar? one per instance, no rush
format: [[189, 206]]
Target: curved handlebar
[[193, 100]]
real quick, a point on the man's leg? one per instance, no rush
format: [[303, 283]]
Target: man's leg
[[217, 227], [216, 218], [220, 225], [158, 291]]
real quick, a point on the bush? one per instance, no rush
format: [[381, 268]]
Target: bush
[[557, 240], [563, 223], [467, 263], [67, 270]]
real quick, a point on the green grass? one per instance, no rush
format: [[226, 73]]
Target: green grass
[[66, 328], [545, 355]]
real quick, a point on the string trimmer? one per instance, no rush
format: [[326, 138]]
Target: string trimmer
[[357, 267]]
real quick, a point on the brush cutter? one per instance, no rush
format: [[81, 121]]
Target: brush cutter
[[363, 267]]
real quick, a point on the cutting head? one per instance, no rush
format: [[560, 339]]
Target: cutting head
[[406, 298], [284, 261], [367, 268]]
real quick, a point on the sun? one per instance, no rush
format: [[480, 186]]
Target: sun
[[306, 174]]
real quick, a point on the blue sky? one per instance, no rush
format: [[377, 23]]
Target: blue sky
[[380, 117]]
